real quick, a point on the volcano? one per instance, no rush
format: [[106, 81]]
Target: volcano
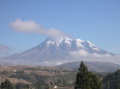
[[54, 51]]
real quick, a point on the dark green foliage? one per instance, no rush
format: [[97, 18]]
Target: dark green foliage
[[86, 79], [23, 86], [82, 77], [21, 74], [112, 80], [95, 82], [4, 72], [32, 77], [6, 85], [41, 85]]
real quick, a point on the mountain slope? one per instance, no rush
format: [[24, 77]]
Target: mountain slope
[[55, 51], [93, 66]]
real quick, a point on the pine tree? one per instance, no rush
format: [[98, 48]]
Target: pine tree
[[86, 79], [108, 85], [82, 80], [6, 85], [112, 80]]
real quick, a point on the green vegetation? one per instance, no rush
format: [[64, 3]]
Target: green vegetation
[[86, 79], [6, 85], [27, 77], [90, 80], [112, 80]]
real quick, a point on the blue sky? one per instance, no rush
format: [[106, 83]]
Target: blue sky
[[95, 20]]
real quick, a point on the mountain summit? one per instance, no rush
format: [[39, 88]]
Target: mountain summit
[[54, 51], [68, 45]]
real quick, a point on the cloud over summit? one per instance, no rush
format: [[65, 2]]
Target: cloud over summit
[[32, 26]]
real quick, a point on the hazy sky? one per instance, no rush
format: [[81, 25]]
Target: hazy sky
[[95, 20]]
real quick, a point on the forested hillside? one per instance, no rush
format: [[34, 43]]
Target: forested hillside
[[39, 77]]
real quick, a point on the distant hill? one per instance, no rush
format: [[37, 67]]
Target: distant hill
[[43, 75], [93, 66], [32, 74]]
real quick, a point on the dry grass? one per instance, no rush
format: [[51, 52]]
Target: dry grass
[[7, 71]]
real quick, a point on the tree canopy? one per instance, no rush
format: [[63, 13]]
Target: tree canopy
[[86, 79], [6, 85]]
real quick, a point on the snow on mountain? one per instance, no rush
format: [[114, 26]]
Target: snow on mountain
[[57, 51], [58, 41], [65, 43]]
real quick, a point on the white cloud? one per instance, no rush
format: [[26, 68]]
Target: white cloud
[[31, 26], [84, 53], [52, 62], [85, 56], [24, 26], [79, 53]]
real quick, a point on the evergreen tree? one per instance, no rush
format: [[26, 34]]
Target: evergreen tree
[[25, 87], [95, 82], [6, 85], [107, 85], [86, 79], [82, 77], [41, 85], [112, 80]]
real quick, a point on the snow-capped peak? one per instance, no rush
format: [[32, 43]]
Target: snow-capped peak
[[91, 44], [77, 43], [67, 44], [58, 41]]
